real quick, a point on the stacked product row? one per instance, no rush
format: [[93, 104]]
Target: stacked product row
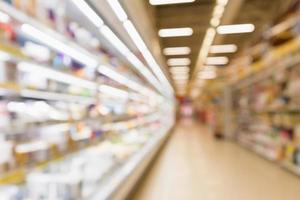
[[71, 113], [266, 105]]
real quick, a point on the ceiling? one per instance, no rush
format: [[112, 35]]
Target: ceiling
[[197, 15]]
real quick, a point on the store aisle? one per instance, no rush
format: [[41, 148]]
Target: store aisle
[[193, 166]]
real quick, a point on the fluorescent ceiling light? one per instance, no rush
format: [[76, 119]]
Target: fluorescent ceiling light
[[218, 11], [236, 28], [207, 75], [164, 2], [180, 77], [88, 12], [178, 61], [4, 18], [56, 75], [209, 68], [222, 2], [175, 32], [225, 48], [217, 60], [207, 41], [179, 72], [173, 51], [113, 39], [58, 45], [180, 69], [118, 10], [215, 21]]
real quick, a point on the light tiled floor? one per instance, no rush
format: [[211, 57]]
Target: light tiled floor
[[194, 166]]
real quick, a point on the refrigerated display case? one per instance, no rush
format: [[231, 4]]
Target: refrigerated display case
[[76, 120]]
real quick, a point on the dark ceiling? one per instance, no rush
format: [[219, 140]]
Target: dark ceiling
[[195, 15], [198, 14]]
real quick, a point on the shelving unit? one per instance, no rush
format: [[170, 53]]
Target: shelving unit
[[74, 118], [265, 105]]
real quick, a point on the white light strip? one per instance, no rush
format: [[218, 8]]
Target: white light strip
[[57, 45], [56, 75], [138, 41], [179, 72], [113, 39], [180, 77], [178, 61], [179, 69], [175, 32], [173, 51], [225, 48], [118, 10], [208, 40], [164, 2], [207, 75], [113, 91], [88, 12], [216, 60], [55, 96], [222, 2], [236, 28]]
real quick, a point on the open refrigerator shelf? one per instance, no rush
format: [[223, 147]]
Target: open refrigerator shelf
[[76, 123]]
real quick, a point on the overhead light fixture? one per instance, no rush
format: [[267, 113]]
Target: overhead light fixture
[[58, 45], [222, 2], [178, 61], [207, 41], [164, 2], [118, 10], [174, 51], [179, 72], [180, 77], [180, 69], [221, 60], [215, 21], [218, 11], [4, 18], [175, 32], [225, 48], [83, 6], [207, 75], [209, 68], [236, 28]]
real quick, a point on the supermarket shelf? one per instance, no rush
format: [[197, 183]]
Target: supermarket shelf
[[35, 94], [18, 176], [121, 183], [284, 164], [61, 43]]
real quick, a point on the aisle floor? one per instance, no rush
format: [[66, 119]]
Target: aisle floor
[[194, 166]]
